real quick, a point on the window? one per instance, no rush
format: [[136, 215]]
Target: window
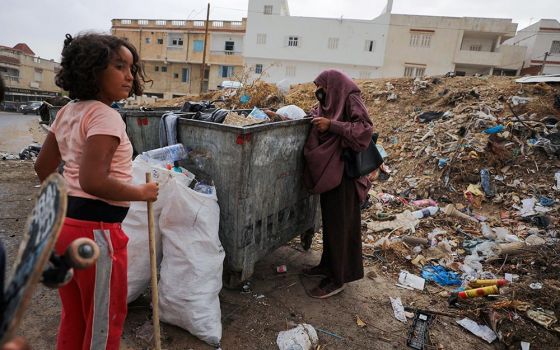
[[226, 71], [126, 21], [261, 39], [267, 9], [160, 41], [143, 22], [475, 47], [290, 71], [148, 40], [333, 43], [555, 47], [198, 45], [36, 59], [185, 76], [157, 68], [370, 45], [163, 69], [160, 22], [38, 74], [229, 47], [411, 71], [258, 68], [175, 40], [420, 39], [293, 41]]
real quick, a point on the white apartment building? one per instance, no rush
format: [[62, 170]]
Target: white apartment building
[[540, 38], [433, 45], [287, 49]]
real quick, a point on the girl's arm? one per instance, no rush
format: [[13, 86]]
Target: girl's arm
[[49, 158], [95, 168]]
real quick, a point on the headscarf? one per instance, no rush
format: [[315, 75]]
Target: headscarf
[[323, 151]]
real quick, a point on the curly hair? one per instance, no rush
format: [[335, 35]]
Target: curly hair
[[85, 57]]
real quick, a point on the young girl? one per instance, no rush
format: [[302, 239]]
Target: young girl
[[340, 121], [90, 137]]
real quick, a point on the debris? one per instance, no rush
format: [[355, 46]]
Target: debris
[[398, 309], [302, 337], [481, 331], [404, 220], [429, 116], [525, 345], [329, 333], [415, 241], [494, 130], [429, 211], [472, 293], [281, 269], [440, 275], [359, 322], [536, 285], [517, 100], [452, 211], [484, 283], [545, 318], [418, 332], [392, 97], [410, 281], [486, 183]]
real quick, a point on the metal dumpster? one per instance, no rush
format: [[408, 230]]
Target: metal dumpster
[[258, 173], [142, 127]]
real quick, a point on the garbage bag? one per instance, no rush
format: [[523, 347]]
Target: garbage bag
[[135, 225], [191, 269]]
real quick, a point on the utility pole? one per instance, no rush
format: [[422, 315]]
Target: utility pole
[[203, 69], [546, 54]]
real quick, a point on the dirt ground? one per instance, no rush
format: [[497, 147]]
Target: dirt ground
[[252, 320]]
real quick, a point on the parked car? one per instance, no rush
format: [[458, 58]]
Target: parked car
[[32, 107], [9, 106]]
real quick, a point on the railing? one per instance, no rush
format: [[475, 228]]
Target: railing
[[234, 25], [225, 52]]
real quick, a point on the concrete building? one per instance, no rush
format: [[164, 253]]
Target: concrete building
[[172, 52], [27, 76], [429, 45], [287, 49], [540, 38]]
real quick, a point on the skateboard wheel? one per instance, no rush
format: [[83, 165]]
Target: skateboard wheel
[[82, 253]]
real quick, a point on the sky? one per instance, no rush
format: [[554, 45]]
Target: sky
[[42, 24]]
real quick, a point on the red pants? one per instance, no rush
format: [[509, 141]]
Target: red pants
[[94, 302]]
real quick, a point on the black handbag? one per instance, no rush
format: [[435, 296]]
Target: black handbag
[[357, 164]]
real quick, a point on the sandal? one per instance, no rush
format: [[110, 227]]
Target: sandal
[[326, 289]]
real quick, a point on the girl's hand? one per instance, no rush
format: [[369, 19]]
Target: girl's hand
[[150, 191], [322, 124]]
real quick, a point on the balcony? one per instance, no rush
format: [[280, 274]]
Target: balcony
[[506, 56]]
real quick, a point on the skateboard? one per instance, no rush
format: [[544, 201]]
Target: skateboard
[[36, 261]]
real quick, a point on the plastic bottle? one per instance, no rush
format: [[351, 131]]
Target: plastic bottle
[[429, 211], [169, 154], [204, 188], [485, 182]]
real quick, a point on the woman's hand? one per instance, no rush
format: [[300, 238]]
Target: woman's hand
[[322, 124]]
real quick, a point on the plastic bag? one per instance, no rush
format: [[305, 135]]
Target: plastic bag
[[191, 269]]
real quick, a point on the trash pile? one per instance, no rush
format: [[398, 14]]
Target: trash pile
[[466, 203]]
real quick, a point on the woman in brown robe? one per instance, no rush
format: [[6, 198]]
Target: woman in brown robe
[[339, 121]]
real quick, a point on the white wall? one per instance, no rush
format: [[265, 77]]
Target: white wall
[[219, 40], [313, 39], [538, 41]]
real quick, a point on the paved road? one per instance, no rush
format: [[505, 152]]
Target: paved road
[[18, 131]]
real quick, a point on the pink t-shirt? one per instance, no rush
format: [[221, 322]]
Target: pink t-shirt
[[79, 120]]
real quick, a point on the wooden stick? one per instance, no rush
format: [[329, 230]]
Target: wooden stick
[[153, 264]]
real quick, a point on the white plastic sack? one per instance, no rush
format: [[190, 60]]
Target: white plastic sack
[[191, 269], [135, 225], [291, 112]]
